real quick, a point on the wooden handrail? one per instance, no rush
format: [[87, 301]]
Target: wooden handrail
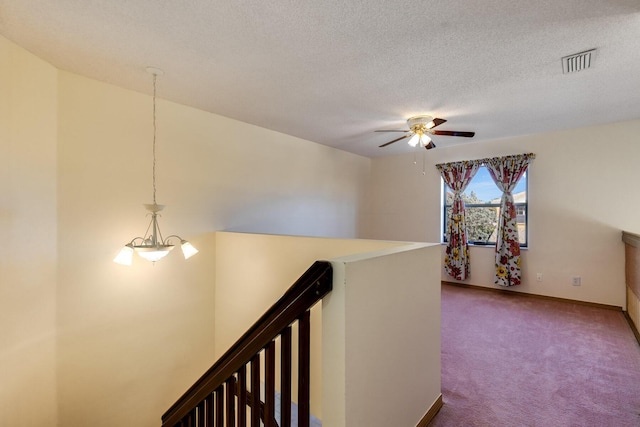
[[312, 286]]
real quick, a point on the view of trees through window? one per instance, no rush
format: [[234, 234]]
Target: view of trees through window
[[482, 208]]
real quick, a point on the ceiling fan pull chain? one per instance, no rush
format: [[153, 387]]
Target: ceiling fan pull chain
[[424, 162]]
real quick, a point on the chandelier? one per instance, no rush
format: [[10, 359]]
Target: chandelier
[[152, 246]]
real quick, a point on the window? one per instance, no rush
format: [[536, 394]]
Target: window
[[482, 207]]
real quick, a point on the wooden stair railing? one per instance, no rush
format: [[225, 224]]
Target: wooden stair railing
[[221, 397]]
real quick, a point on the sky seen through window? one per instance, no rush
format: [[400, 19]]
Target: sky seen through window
[[486, 190]]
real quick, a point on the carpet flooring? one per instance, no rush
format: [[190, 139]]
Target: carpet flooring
[[510, 360]]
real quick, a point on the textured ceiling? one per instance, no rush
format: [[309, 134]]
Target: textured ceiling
[[334, 71]]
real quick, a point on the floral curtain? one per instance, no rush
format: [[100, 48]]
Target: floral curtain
[[506, 172], [457, 176]]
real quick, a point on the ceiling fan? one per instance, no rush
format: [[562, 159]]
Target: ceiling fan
[[420, 127]]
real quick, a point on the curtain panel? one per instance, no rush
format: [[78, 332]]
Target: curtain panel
[[457, 176], [506, 172]]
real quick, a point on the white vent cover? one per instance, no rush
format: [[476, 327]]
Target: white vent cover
[[578, 61]]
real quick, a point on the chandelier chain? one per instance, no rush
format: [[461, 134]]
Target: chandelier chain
[[154, 137]]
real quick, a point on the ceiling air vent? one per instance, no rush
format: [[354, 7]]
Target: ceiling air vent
[[578, 61]]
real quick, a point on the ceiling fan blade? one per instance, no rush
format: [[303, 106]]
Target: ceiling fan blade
[[453, 133], [437, 122], [395, 140], [392, 130], [430, 145]]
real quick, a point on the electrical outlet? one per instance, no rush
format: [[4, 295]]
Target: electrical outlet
[[576, 281], [539, 277]]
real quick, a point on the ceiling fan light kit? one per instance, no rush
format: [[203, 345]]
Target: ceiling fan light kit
[[419, 140], [420, 127], [420, 122]]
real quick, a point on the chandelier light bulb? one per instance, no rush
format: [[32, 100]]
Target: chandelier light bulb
[[187, 249], [154, 254], [125, 256]]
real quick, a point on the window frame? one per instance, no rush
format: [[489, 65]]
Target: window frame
[[444, 221]]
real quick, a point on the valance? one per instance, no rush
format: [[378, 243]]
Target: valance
[[489, 160]]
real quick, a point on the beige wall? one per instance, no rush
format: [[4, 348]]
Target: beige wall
[[77, 169], [397, 279], [254, 270], [381, 335], [28, 96], [578, 187]]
